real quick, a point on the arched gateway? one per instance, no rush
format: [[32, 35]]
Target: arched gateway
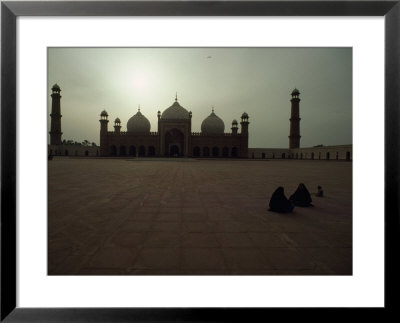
[[174, 143]]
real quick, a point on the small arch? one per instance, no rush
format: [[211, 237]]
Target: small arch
[[66, 153], [142, 151], [196, 151], [215, 152], [263, 155], [234, 152], [319, 155], [301, 155], [348, 156], [86, 153], [122, 151], [312, 156], [97, 152], [225, 152], [273, 156], [283, 155], [327, 155], [206, 152], [76, 153], [297, 155], [152, 151], [132, 151], [337, 155], [113, 150]]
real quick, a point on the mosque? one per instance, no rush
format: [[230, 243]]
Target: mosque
[[175, 138]]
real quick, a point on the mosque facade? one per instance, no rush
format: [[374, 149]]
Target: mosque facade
[[175, 138]]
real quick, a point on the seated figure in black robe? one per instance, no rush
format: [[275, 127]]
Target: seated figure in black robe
[[301, 197], [320, 191], [279, 202]]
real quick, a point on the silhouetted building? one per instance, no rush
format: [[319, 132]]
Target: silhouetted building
[[174, 137], [55, 128], [294, 136]]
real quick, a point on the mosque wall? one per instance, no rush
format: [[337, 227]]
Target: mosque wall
[[73, 150], [268, 153], [143, 147], [201, 145], [223, 145], [339, 152], [128, 144]]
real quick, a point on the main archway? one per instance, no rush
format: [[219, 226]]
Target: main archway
[[174, 139]]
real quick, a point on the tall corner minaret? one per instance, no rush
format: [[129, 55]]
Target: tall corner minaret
[[294, 137], [244, 135], [103, 132], [55, 126]]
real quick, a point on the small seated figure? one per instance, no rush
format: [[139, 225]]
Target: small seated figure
[[320, 191], [301, 197], [279, 202]]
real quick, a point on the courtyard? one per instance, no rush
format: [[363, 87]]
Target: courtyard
[[148, 216]]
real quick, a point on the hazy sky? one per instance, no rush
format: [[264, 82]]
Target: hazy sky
[[233, 80]]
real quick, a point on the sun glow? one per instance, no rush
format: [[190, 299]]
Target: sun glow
[[141, 81]]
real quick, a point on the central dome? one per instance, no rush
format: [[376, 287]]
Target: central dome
[[175, 111], [138, 123], [212, 124]]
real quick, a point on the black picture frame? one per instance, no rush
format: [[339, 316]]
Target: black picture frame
[[10, 10]]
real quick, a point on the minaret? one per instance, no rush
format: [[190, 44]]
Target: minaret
[[245, 124], [294, 137], [55, 127], [103, 132], [234, 127], [244, 135], [117, 126]]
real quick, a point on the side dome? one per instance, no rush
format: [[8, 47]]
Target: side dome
[[212, 124], [138, 123], [175, 111]]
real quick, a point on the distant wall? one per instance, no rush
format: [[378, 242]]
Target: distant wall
[[268, 153], [340, 152], [73, 150]]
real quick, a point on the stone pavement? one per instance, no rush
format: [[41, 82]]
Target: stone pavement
[[196, 217]]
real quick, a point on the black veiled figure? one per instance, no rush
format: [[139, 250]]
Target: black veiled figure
[[279, 202], [301, 197]]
